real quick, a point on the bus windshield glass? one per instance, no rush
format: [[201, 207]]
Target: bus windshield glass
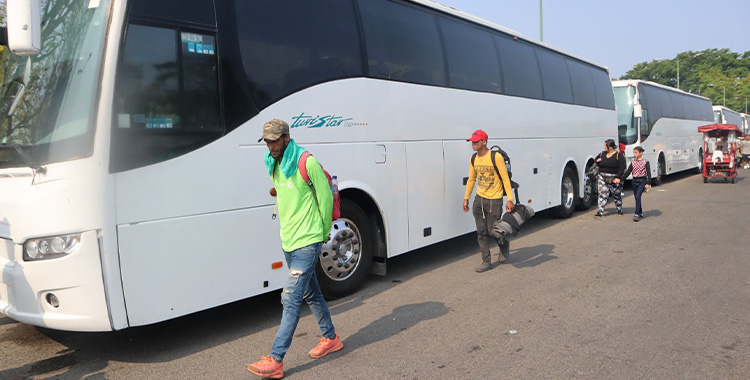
[[47, 100], [626, 125]]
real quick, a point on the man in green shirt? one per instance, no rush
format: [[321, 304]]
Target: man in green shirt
[[305, 225]]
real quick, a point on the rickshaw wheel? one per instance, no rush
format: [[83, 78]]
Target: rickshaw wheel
[[705, 179]]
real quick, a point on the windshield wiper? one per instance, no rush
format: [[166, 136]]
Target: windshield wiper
[[30, 162]]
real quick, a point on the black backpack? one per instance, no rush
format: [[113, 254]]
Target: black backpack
[[493, 151]]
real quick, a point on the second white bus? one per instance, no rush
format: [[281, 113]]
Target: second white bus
[[724, 115], [664, 121]]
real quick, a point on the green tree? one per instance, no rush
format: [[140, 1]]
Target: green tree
[[718, 74]]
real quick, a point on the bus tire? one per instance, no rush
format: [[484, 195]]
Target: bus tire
[[568, 195], [346, 258], [589, 193], [699, 169], [660, 170]]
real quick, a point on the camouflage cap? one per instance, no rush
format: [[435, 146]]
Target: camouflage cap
[[273, 129]]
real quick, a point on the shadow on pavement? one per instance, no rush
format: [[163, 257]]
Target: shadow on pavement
[[402, 318], [527, 257]]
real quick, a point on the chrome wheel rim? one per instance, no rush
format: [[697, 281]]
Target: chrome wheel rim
[[568, 192], [339, 257]]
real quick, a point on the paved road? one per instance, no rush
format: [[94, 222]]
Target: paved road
[[665, 298]]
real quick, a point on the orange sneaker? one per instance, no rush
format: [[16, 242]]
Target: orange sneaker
[[326, 346], [267, 367]]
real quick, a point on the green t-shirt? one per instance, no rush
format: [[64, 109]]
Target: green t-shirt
[[301, 222]]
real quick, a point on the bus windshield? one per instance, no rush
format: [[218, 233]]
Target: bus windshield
[[47, 100], [626, 126]]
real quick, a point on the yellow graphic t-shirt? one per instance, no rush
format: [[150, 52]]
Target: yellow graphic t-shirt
[[484, 175]]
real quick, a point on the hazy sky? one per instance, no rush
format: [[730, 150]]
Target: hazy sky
[[619, 33]]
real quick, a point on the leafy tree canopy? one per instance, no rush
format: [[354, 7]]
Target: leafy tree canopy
[[718, 74]]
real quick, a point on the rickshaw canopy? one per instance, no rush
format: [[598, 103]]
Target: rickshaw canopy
[[721, 127]]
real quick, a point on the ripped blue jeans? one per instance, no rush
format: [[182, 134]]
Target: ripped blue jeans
[[301, 284]]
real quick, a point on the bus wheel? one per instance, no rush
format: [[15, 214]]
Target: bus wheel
[[568, 195], [589, 194], [700, 162], [660, 167], [345, 260]]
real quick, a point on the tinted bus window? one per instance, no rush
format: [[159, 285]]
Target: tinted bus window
[[555, 76], [472, 58], [650, 101], [666, 104], [402, 43], [200, 82], [679, 113], [603, 87], [687, 107], [520, 68], [704, 105], [168, 102], [198, 11], [583, 84], [148, 85], [287, 46]]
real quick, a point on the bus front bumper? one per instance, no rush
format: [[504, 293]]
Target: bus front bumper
[[65, 293]]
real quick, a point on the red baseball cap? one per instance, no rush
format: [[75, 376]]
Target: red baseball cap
[[478, 135]]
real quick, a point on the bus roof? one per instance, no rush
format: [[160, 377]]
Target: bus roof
[[722, 108], [635, 82], [478, 20]]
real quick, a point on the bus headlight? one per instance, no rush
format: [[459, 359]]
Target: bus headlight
[[51, 247]]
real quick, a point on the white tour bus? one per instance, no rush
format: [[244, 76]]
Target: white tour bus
[[664, 121], [132, 183], [724, 115], [745, 122]]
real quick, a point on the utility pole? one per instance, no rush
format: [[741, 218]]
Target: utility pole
[[541, 23]]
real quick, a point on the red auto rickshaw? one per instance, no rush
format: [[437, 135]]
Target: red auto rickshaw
[[719, 151]]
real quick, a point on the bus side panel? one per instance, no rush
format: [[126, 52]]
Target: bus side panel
[[677, 139], [534, 174], [178, 266], [426, 195], [457, 160], [378, 170]]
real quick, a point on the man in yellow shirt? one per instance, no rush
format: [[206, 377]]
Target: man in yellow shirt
[[488, 203]]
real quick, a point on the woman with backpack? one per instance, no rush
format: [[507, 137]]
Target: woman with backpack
[[611, 168]]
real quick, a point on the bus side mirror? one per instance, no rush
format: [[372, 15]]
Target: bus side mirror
[[24, 23], [637, 111]]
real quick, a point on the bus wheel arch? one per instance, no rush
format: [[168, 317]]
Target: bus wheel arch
[[356, 239], [568, 192], [588, 198]]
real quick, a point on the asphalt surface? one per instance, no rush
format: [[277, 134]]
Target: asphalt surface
[[665, 298]]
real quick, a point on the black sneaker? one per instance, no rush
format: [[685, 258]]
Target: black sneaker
[[619, 212], [599, 215], [505, 250]]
